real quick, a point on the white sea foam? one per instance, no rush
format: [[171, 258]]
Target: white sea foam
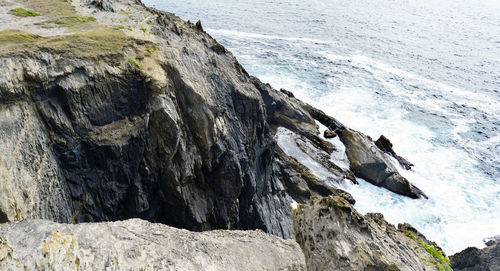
[[247, 35]]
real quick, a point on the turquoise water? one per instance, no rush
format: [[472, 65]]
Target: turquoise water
[[424, 73]]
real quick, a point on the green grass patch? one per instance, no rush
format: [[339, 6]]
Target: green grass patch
[[144, 30], [120, 27], [16, 37], [442, 262], [129, 28], [75, 20], [150, 50], [99, 41], [410, 234], [134, 63], [21, 12]]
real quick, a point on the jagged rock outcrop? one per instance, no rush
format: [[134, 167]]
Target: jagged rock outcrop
[[474, 259], [385, 145], [368, 162], [139, 245], [334, 236], [114, 123]]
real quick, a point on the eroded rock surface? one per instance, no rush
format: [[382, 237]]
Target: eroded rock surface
[[139, 245], [334, 236], [474, 259]]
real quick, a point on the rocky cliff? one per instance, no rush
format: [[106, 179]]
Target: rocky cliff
[[110, 110]]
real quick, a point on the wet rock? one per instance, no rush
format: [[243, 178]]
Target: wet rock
[[329, 134], [287, 93], [385, 145], [367, 161], [474, 259], [139, 245], [334, 236]]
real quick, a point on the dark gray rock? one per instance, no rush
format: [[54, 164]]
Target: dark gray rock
[[181, 139], [474, 259], [329, 134], [385, 145], [368, 162]]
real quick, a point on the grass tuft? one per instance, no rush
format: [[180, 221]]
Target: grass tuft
[[134, 63], [75, 20], [442, 262], [21, 12]]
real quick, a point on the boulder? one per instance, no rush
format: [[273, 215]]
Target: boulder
[[139, 245]]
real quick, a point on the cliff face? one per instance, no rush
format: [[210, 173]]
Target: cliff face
[[160, 123]]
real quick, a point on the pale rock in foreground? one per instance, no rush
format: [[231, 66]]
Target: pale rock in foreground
[[139, 245]]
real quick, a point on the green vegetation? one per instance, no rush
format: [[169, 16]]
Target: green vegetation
[[176, 47], [123, 12], [21, 12], [75, 20], [134, 63], [442, 262], [150, 50], [143, 30], [410, 234], [129, 28], [84, 44], [120, 27], [14, 36], [148, 22]]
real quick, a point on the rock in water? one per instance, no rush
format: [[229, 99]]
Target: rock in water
[[329, 134], [385, 145], [334, 236], [139, 245], [368, 162]]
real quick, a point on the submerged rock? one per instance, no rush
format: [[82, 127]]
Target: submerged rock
[[139, 245], [334, 236]]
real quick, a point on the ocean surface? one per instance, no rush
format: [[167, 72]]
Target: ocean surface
[[424, 73]]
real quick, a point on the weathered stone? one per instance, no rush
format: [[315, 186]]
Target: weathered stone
[[139, 245], [334, 236], [474, 259]]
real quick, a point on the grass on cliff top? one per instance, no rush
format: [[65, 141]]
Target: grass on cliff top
[[21, 12], [85, 44]]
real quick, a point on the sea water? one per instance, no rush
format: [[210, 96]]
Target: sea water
[[424, 73]]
